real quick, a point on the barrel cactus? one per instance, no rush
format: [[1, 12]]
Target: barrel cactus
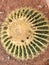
[[25, 33]]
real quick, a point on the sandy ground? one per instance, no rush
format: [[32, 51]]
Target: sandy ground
[[6, 6]]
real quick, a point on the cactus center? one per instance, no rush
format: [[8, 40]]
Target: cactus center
[[19, 30]]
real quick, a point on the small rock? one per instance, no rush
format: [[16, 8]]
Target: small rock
[[8, 57], [41, 6], [1, 12]]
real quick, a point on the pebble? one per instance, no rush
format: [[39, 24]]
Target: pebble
[[5, 59], [41, 6], [1, 12], [8, 57]]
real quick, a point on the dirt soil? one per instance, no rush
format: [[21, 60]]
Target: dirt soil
[[6, 6]]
